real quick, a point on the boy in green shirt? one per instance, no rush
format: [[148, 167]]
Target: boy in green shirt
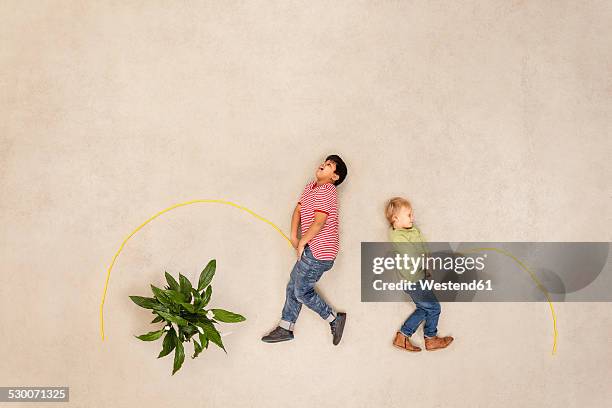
[[401, 218]]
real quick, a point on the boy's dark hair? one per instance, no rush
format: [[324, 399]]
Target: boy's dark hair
[[341, 170]]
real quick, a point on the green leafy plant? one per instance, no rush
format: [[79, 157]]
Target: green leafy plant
[[182, 309]]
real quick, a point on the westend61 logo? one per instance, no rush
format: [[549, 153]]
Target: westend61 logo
[[487, 271]]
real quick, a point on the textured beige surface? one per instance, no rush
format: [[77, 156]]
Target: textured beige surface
[[493, 117]]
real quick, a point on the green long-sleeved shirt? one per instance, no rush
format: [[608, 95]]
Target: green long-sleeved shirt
[[417, 247]]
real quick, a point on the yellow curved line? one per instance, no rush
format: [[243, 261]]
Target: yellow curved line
[[108, 272], [538, 284]]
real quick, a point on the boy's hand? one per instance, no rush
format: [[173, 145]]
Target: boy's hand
[[295, 241], [300, 250]]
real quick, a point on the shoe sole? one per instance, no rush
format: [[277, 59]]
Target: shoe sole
[[340, 328], [440, 348], [277, 341], [405, 349]]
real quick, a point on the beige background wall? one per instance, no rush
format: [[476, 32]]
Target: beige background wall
[[492, 116]]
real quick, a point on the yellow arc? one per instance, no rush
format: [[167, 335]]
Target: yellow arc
[[108, 272], [538, 284]]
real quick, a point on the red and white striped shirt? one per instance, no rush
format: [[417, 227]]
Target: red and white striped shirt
[[323, 198]]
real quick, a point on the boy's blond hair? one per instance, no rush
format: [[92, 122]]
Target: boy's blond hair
[[393, 206]]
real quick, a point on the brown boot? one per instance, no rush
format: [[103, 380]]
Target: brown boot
[[403, 342], [437, 343]]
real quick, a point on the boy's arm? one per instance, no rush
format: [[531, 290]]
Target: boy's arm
[[315, 227], [400, 238], [295, 222], [428, 272]]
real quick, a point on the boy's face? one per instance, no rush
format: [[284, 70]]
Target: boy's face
[[326, 172], [404, 218]]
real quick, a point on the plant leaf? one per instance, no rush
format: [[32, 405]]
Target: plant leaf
[[157, 319], [212, 333], [188, 306], [154, 335], [169, 343], [190, 330], [206, 297], [175, 296], [163, 298], [173, 318], [203, 340], [172, 283], [179, 357], [227, 316], [197, 349], [147, 302], [185, 286], [197, 299], [207, 274]]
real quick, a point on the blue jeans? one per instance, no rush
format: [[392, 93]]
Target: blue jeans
[[300, 289], [427, 308]]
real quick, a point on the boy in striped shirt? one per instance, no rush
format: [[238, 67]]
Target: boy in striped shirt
[[317, 214]]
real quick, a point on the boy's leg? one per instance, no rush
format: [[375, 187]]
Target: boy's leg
[[427, 302], [433, 313], [291, 311], [427, 308], [292, 307], [308, 275], [432, 341], [412, 322]]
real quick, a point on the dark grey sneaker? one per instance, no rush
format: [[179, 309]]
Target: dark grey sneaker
[[337, 327], [277, 335]]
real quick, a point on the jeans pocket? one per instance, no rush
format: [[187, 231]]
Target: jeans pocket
[[311, 261]]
